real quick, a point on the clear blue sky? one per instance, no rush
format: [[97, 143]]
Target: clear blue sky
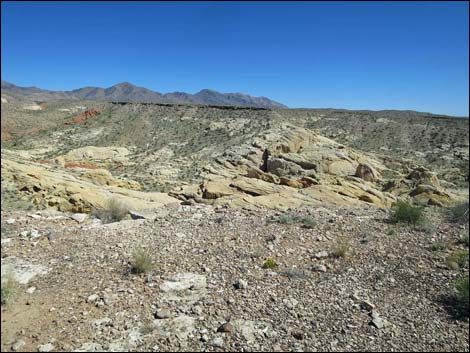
[[358, 55]]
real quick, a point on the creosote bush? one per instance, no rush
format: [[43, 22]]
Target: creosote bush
[[405, 212], [114, 211], [142, 259]]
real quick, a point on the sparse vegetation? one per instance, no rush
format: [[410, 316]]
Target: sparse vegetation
[[391, 232], [459, 212], [142, 259], [458, 259], [9, 289], [426, 226], [270, 263], [462, 295], [288, 218], [464, 240], [147, 329], [341, 248], [114, 211], [309, 223], [438, 246], [405, 212]]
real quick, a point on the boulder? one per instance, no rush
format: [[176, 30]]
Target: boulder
[[366, 172]]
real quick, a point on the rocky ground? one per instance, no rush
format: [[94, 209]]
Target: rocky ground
[[208, 290]]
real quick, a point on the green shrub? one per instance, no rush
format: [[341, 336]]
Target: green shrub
[[462, 290], [9, 289], [459, 213], [405, 212], [114, 211], [341, 248], [464, 239], [270, 263], [309, 223], [458, 259], [142, 260], [288, 218], [426, 226], [438, 246]]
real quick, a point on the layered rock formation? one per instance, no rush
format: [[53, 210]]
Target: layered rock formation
[[302, 168], [305, 168]]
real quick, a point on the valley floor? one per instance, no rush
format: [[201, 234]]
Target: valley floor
[[391, 292]]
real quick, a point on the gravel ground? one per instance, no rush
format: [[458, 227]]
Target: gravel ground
[[208, 290]]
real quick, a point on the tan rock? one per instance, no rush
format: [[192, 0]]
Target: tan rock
[[49, 187], [216, 189], [290, 182], [256, 187], [93, 153], [257, 173]]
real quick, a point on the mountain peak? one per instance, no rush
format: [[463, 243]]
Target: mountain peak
[[124, 85]]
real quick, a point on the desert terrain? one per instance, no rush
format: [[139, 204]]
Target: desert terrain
[[131, 226]]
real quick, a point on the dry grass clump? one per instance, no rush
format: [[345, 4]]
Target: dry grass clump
[[142, 259], [114, 211], [9, 289], [341, 248]]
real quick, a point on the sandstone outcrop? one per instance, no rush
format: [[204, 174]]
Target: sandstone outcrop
[[48, 187]]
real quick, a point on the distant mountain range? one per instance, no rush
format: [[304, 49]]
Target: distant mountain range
[[127, 92]]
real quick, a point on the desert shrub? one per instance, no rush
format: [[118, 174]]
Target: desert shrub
[[9, 289], [459, 213], [464, 239], [391, 232], [309, 222], [142, 259], [458, 259], [341, 248], [287, 218], [405, 212], [438, 246], [114, 211], [462, 295], [270, 263], [427, 226]]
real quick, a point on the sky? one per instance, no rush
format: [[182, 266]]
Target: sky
[[352, 55]]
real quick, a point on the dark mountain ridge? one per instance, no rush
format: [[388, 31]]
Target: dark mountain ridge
[[127, 92]]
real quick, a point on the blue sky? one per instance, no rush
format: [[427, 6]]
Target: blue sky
[[353, 55]]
